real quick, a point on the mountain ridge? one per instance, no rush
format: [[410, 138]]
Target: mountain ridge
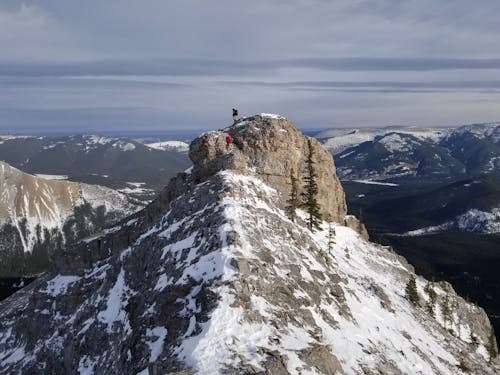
[[214, 278], [39, 212]]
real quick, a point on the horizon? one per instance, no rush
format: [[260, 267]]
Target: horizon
[[189, 134]]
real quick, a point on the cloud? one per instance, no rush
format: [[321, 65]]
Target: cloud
[[375, 86], [31, 33], [163, 63], [215, 67]]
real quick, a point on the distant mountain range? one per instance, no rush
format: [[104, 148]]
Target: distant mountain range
[[396, 153], [119, 163], [38, 216]]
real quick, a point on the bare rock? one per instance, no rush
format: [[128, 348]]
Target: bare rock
[[270, 147], [322, 359]]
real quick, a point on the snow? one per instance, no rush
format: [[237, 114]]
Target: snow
[[356, 338], [155, 345], [115, 306], [273, 116], [487, 130], [396, 143], [163, 282], [86, 366], [59, 284], [346, 154], [52, 176], [208, 350], [348, 299], [339, 140], [136, 188], [178, 146], [473, 220], [127, 146], [371, 182], [98, 140]]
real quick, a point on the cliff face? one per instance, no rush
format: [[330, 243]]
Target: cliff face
[[270, 147], [213, 278]]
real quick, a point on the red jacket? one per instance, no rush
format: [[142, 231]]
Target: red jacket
[[228, 138]]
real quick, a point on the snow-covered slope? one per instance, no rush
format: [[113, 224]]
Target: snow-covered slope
[[233, 286], [473, 220], [338, 140], [213, 278], [38, 215], [170, 146], [49, 203]]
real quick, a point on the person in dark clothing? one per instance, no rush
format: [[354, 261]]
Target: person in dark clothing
[[235, 115]]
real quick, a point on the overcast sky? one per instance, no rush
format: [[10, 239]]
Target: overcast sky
[[154, 65]]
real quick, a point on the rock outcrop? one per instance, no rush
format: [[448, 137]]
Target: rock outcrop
[[213, 278], [270, 147]]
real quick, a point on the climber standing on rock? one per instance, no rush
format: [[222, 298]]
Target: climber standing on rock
[[228, 141], [235, 115]]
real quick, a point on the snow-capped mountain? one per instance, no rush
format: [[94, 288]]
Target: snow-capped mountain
[[37, 213], [401, 153], [111, 162], [473, 220], [214, 278], [338, 140], [170, 146]]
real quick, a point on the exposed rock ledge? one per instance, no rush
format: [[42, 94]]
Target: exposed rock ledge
[[270, 146]]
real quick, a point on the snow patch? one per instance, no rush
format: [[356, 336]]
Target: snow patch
[[59, 284]]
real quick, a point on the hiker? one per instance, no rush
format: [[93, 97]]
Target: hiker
[[228, 141], [235, 116]]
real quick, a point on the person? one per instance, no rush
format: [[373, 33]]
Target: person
[[228, 140], [235, 115]]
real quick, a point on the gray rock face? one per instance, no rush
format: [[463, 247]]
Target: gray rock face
[[270, 147], [212, 278]]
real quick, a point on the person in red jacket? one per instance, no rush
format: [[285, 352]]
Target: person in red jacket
[[229, 139]]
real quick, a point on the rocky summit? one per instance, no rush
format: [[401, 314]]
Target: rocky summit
[[214, 278]]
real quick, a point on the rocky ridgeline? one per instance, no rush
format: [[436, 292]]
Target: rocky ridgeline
[[270, 147], [213, 278]]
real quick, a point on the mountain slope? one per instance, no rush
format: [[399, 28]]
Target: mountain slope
[[405, 153], [37, 215], [111, 162], [214, 278]]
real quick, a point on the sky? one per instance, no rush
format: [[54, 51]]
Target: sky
[[153, 65]]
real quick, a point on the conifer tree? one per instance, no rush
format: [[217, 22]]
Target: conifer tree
[[347, 255], [473, 340], [331, 237], [293, 201], [360, 221], [429, 289], [309, 195], [445, 309], [411, 291], [492, 345]]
